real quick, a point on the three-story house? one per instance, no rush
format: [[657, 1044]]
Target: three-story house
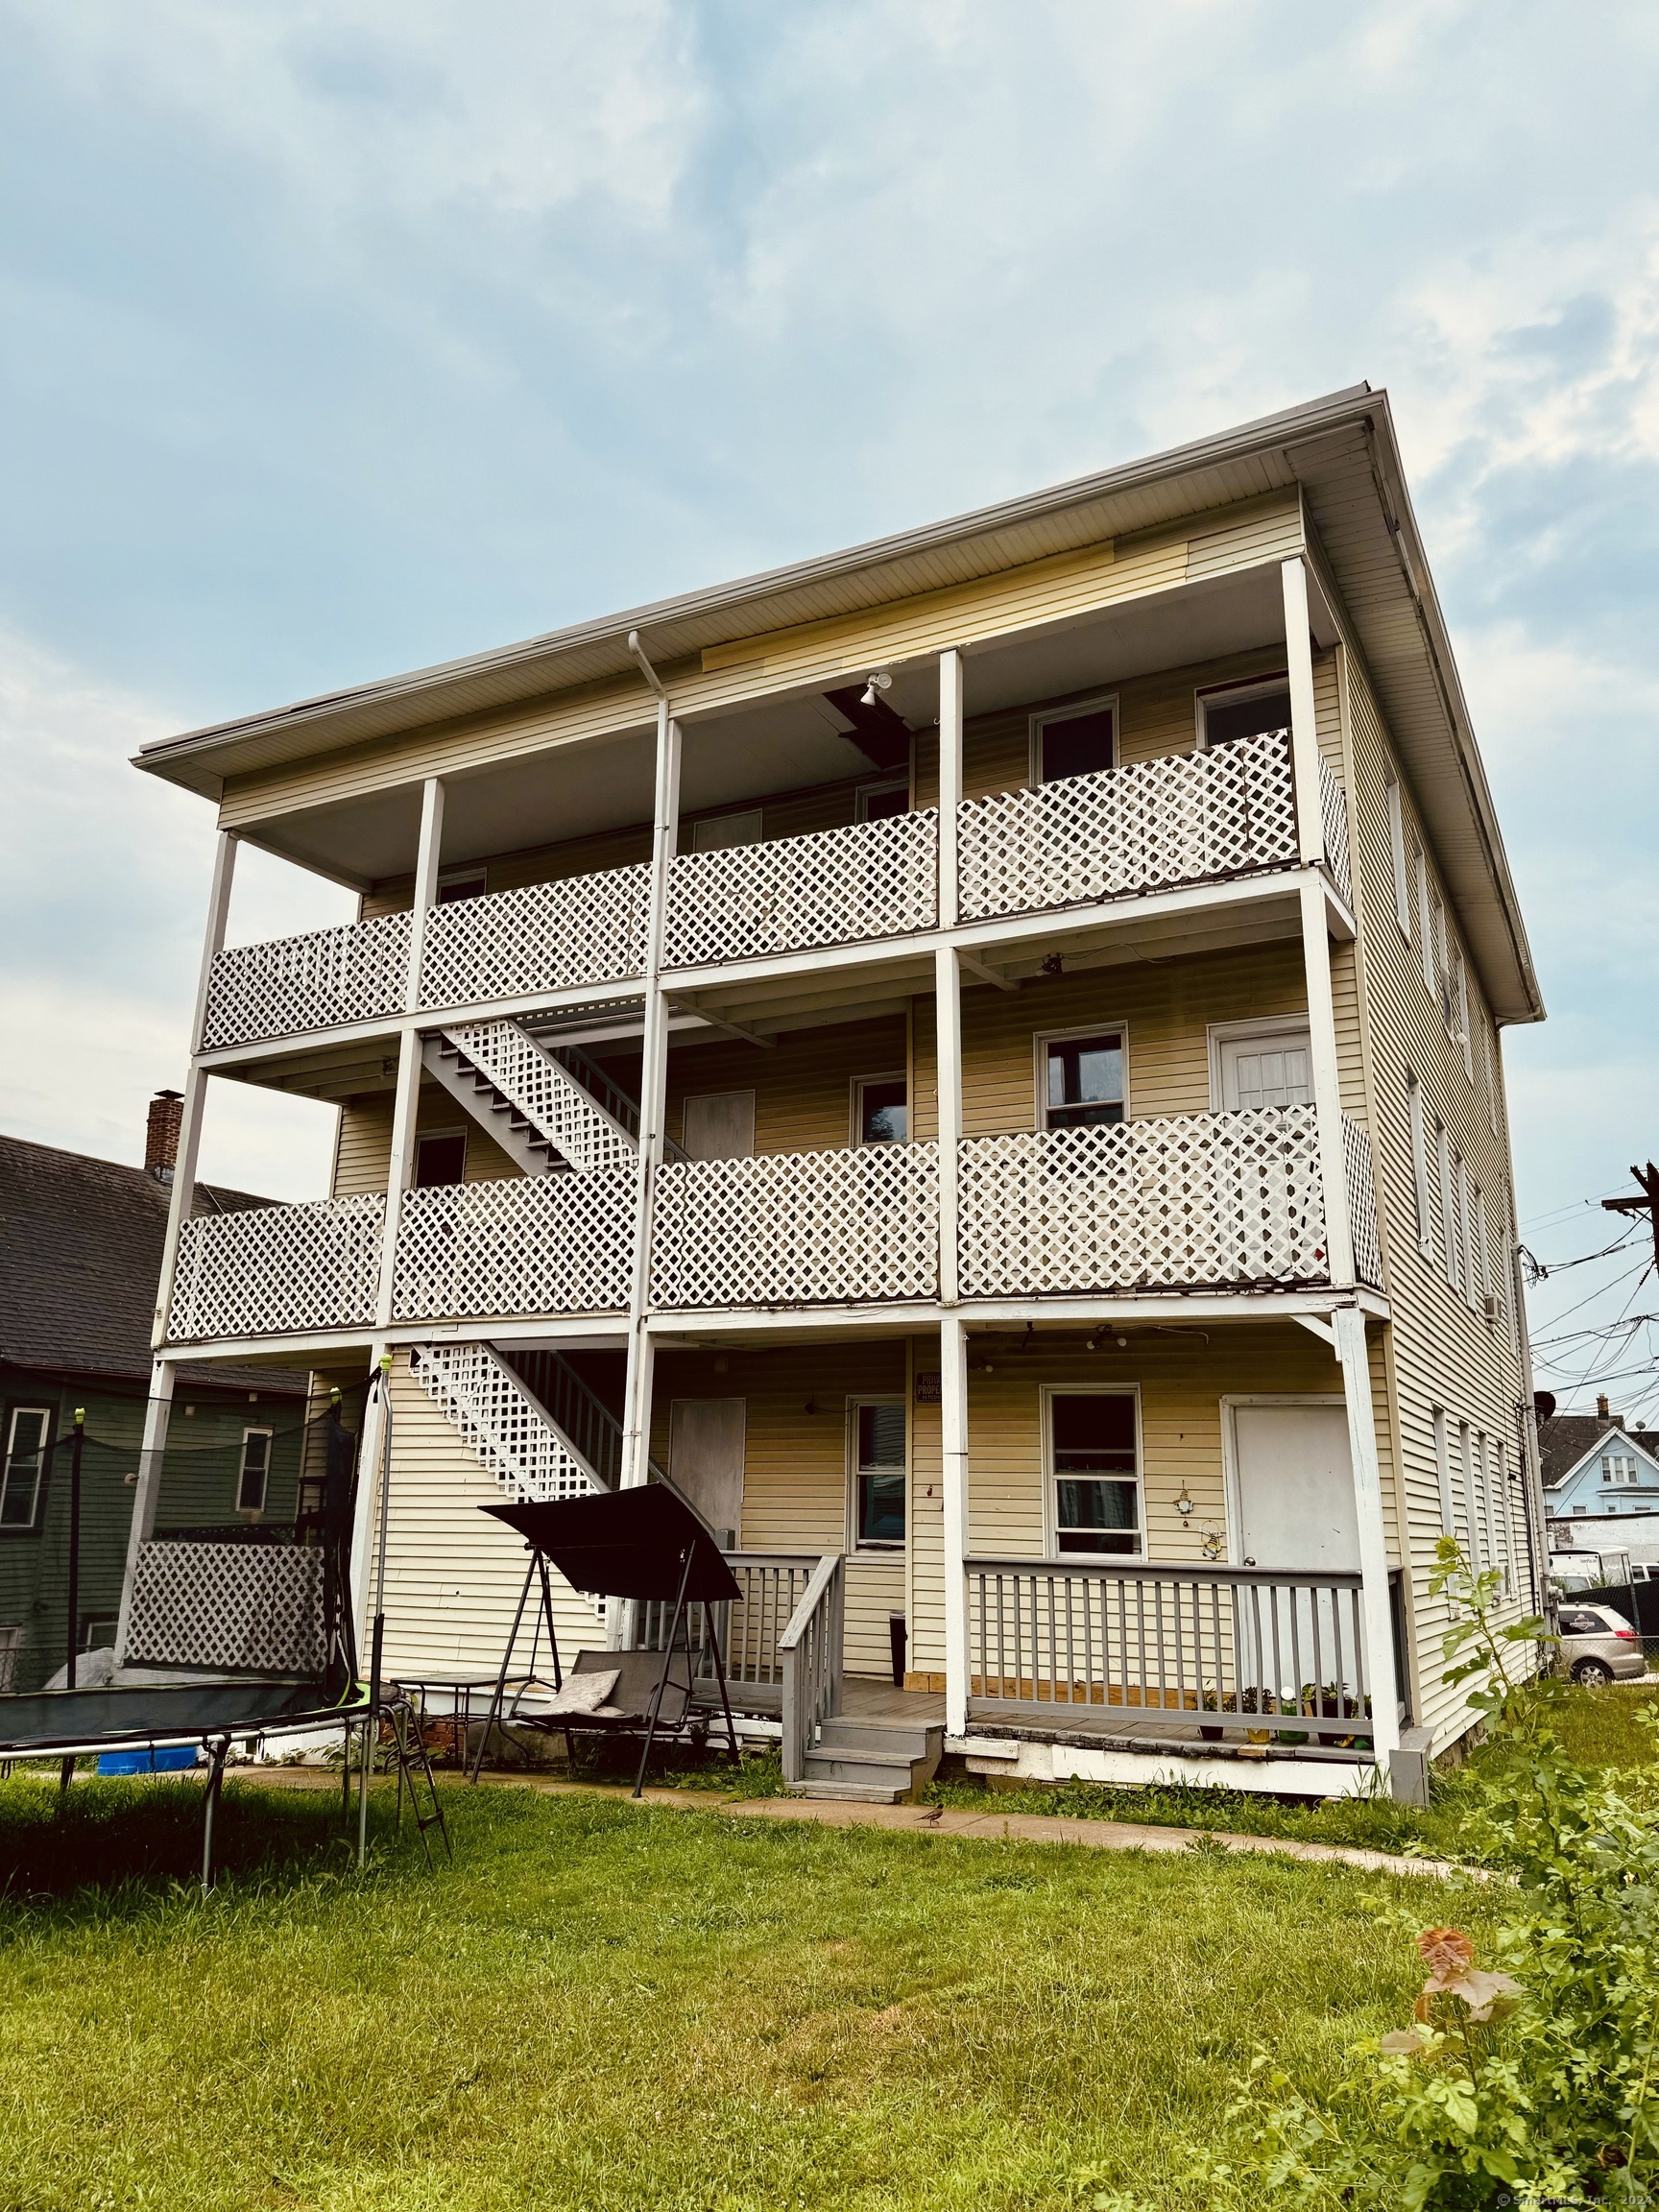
[[978, 1058]]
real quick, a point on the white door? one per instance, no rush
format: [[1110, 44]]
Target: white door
[[706, 1460], [1295, 1511], [720, 1125], [1269, 1070]]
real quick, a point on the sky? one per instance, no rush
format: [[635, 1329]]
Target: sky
[[338, 338]]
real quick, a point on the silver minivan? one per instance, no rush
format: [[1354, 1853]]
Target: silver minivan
[[1599, 1646]]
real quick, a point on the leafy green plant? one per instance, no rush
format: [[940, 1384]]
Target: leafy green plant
[[1529, 2083]]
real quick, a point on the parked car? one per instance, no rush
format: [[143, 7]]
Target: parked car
[[1599, 1646]]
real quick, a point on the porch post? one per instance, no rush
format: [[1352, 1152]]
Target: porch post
[[949, 783], [1327, 1081], [652, 1101], [157, 1413], [370, 1447], [953, 1427], [1349, 1324], [1303, 728], [407, 1096], [194, 1083]]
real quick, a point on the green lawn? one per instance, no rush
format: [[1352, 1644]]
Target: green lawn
[[604, 2005]]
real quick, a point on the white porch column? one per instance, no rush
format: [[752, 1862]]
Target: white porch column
[[1349, 1324], [1327, 1081], [1304, 730], [157, 1413], [407, 1096], [652, 1101], [949, 783], [370, 1450], [953, 1490], [948, 1053], [194, 1083]]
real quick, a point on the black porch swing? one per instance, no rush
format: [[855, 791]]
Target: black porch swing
[[644, 1544]]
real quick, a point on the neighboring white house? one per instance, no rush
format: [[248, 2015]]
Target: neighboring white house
[[1596, 1467]]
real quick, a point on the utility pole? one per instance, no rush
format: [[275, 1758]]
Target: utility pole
[[1647, 1180]]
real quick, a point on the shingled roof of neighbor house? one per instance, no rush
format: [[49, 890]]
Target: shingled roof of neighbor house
[[1565, 1439], [80, 1259]]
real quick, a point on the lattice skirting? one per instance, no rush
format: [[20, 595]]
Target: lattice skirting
[[798, 1228], [254, 1607], [1213, 1201]]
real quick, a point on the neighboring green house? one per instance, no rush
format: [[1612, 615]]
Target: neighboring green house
[[80, 1257]]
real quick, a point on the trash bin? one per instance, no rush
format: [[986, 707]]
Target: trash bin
[[897, 1637]]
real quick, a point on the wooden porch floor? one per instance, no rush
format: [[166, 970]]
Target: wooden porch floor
[[871, 1699]]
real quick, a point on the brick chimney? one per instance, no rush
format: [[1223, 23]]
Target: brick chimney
[[161, 1138]]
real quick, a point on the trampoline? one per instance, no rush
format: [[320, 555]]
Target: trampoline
[[234, 1630]]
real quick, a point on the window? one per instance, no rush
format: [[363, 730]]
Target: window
[[1230, 712], [882, 1110], [1449, 1238], [1490, 1057], [1466, 1236], [1470, 1505], [1500, 1513], [1419, 1162], [1482, 1249], [1460, 994], [877, 1473], [1617, 1469], [255, 1471], [27, 1429], [727, 829], [10, 1648], [1271, 1066], [98, 1630], [1397, 845], [1095, 1471], [1080, 741], [462, 883], [1082, 1081], [1425, 924], [1442, 963], [1443, 1473], [876, 802], [441, 1158]]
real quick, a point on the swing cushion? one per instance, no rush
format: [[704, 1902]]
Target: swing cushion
[[582, 1692], [631, 1680]]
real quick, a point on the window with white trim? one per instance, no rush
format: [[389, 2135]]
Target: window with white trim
[[1443, 1472], [1076, 740], [876, 1438], [254, 1473], [1081, 1079], [1470, 1503], [1450, 1239], [1617, 1468], [1501, 1505], [1425, 924], [1420, 1162], [881, 1110], [1483, 1250], [458, 884], [1466, 1234], [24, 1469], [1254, 707], [1092, 1443], [1396, 847], [1489, 1055], [1460, 970]]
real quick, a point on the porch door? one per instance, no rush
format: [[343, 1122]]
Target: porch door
[[706, 1460], [1296, 1512]]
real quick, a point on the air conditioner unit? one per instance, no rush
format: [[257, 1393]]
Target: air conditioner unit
[[1492, 1306]]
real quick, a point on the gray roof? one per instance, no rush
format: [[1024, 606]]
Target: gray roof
[[80, 1259], [1565, 1439]]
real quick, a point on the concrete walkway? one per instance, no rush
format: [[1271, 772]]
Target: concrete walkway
[[936, 1820]]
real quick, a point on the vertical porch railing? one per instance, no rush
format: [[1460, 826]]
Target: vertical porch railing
[[811, 1648], [1278, 1654]]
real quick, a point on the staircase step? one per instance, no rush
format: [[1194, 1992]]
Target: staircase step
[[853, 1792], [899, 1740], [860, 1767]]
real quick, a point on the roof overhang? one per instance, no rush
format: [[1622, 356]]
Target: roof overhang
[[1341, 452]]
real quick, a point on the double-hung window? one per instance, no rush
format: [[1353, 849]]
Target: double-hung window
[[1082, 1079], [1229, 713], [1396, 847], [882, 1110], [24, 1469], [1094, 1442], [1076, 740], [878, 1473], [254, 1474], [1451, 1238], [1420, 1162]]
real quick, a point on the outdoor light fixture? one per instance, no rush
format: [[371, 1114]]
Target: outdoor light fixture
[[879, 680]]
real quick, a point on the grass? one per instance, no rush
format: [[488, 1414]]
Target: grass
[[603, 2006]]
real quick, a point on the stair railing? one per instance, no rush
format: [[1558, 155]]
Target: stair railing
[[606, 1092], [811, 1651]]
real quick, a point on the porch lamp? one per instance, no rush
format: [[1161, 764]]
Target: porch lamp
[[879, 680]]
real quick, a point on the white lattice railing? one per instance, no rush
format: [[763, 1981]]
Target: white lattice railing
[[1333, 818], [545, 937], [1186, 819], [549, 1096], [1213, 1201], [525, 1245], [255, 1607], [322, 981], [277, 1270], [1361, 1204], [508, 1432], [835, 887], [798, 1228]]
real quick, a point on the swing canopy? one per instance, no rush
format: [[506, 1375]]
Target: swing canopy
[[635, 1543]]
